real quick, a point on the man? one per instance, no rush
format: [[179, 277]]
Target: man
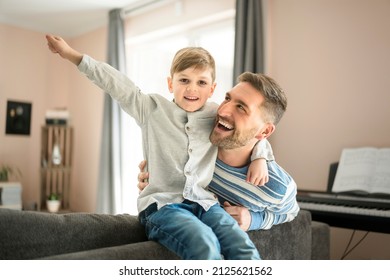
[[249, 113]]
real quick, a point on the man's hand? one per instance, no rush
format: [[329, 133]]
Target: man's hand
[[58, 45], [240, 214], [142, 176]]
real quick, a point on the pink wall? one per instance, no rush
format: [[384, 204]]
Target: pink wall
[[332, 58], [26, 75], [31, 73]]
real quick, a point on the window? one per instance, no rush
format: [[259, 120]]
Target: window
[[148, 62]]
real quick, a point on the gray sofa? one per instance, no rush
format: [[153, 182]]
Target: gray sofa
[[39, 235]]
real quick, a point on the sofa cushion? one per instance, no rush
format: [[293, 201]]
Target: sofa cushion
[[29, 234], [286, 241], [147, 250], [38, 235]]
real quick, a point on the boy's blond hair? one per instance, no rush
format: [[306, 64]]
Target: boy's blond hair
[[196, 57]]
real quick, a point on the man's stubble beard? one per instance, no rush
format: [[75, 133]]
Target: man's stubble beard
[[233, 141]]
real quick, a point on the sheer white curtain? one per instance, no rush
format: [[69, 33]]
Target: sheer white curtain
[[148, 64]]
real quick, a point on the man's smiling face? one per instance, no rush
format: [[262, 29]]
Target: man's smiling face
[[239, 120]]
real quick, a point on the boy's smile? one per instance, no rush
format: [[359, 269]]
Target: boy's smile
[[191, 88]]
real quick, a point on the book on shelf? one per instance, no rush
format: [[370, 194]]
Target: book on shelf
[[364, 171], [57, 116]]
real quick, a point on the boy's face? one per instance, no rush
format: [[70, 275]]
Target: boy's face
[[191, 88], [239, 119]]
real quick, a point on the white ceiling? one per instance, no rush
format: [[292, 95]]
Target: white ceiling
[[67, 18]]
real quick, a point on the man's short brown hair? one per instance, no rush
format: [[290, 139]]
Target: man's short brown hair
[[275, 100]]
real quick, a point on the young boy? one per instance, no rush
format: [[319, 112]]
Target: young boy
[[189, 220]]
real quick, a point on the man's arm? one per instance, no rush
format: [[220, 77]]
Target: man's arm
[[247, 219], [251, 220], [271, 204], [240, 214], [276, 214]]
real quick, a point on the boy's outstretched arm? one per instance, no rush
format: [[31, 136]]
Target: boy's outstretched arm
[[58, 45]]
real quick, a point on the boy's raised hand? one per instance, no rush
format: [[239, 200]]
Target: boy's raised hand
[[58, 45]]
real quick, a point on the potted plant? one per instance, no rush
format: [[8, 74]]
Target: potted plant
[[6, 171], [53, 202]]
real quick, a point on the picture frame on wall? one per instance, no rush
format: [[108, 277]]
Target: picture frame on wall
[[18, 119]]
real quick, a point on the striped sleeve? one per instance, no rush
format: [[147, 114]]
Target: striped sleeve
[[271, 204], [284, 212]]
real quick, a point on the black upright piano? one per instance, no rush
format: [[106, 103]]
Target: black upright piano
[[347, 210]]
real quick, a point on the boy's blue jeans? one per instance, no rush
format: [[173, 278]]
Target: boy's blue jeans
[[193, 233]]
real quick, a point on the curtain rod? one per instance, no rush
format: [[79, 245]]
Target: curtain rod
[[144, 4]]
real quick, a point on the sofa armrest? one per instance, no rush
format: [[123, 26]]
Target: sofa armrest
[[300, 239], [320, 240], [288, 241]]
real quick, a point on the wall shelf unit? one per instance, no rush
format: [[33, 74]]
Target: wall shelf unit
[[56, 163]]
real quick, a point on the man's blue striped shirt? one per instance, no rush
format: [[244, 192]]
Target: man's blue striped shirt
[[271, 204]]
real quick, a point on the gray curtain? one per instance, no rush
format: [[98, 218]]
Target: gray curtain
[[248, 50], [110, 185]]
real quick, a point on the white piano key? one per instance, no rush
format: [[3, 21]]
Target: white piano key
[[344, 209]]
